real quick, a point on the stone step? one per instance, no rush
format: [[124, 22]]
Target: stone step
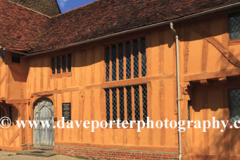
[[39, 153], [43, 147]]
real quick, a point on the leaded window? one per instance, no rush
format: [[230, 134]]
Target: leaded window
[[126, 60], [61, 64], [136, 106], [53, 65], [69, 63], [64, 64], [234, 25], [234, 104], [58, 64]]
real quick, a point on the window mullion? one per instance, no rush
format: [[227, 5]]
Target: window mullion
[[132, 66], [118, 102], [140, 102], [139, 59], [55, 65], [125, 103], [110, 63], [61, 70], [66, 63], [133, 103], [124, 61], [111, 107], [117, 63]]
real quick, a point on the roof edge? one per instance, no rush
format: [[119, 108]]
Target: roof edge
[[58, 7], [31, 9], [141, 28], [74, 8]]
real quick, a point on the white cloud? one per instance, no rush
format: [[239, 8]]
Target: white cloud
[[62, 3]]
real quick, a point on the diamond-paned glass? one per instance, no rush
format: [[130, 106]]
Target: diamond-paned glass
[[121, 103], [114, 104], [107, 64], [234, 25], [120, 57], [234, 104], [114, 67], [135, 58], [129, 104], [128, 60], [136, 103], [144, 99], [143, 56], [107, 105]]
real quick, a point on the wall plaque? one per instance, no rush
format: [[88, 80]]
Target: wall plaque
[[66, 111]]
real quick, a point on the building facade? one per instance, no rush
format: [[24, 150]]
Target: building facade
[[114, 60]]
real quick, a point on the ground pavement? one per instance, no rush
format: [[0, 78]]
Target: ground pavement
[[13, 156]]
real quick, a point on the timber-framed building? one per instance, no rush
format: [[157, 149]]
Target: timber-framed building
[[116, 59]]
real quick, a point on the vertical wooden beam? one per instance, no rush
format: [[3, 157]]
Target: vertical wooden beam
[[93, 64], [204, 55], [124, 61], [133, 103], [61, 60], [118, 102], [71, 101], [148, 55], [74, 57], [162, 111], [139, 58], [149, 108], [225, 42], [92, 111], [140, 102], [125, 115], [205, 117], [111, 109], [186, 48], [161, 52], [110, 63], [103, 112], [132, 66], [117, 62]]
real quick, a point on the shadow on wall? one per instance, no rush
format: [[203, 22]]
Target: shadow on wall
[[210, 101]]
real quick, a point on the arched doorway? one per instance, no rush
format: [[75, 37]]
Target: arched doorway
[[43, 113]]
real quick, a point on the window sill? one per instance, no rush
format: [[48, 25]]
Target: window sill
[[234, 42], [60, 75]]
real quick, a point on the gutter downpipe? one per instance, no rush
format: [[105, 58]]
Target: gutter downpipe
[[178, 90]]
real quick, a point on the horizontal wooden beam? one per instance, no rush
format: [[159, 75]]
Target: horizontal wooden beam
[[135, 81], [49, 93], [212, 75], [15, 101]]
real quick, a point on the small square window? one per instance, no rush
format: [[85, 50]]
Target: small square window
[[234, 25], [16, 58], [234, 105]]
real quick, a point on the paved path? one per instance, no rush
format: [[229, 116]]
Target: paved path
[[13, 156]]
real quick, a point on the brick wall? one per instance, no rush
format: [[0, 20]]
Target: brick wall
[[111, 154]]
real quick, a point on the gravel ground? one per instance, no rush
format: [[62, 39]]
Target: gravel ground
[[13, 156]]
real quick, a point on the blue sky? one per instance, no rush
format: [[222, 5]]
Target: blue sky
[[66, 5]]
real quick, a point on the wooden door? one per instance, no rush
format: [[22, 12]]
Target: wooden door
[[43, 113]]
